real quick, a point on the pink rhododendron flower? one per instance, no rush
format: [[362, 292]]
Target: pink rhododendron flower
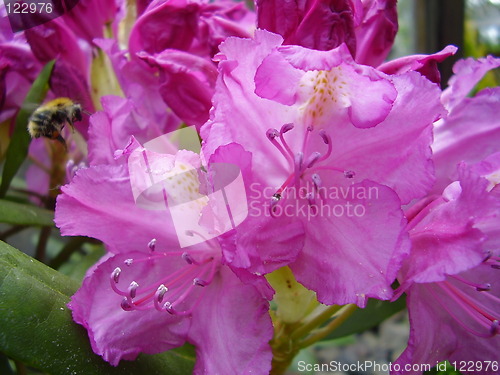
[[316, 123], [179, 38], [148, 294], [471, 131], [367, 27], [451, 275]]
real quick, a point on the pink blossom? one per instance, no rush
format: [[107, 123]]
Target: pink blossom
[[149, 295], [451, 275], [179, 38], [316, 120]]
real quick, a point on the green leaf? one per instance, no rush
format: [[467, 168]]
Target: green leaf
[[362, 319], [25, 214], [20, 141], [36, 327]]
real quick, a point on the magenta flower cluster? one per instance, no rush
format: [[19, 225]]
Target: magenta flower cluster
[[358, 173]]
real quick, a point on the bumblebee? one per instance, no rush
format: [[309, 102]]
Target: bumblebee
[[49, 119]]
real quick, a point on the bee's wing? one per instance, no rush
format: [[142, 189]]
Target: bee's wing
[[30, 107]]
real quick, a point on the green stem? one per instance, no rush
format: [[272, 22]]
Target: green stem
[[316, 321], [41, 247], [330, 327]]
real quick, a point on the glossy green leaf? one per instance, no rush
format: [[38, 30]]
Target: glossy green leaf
[[24, 214], [20, 141], [36, 327], [362, 319]]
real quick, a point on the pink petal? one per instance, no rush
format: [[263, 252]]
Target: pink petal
[[353, 253], [468, 73], [470, 133], [116, 334], [231, 329], [424, 64], [376, 31], [102, 197]]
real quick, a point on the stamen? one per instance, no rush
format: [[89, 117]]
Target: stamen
[[298, 159], [199, 282], [175, 287], [494, 327], [272, 134], [285, 128], [312, 159], [188, 258], [311, 199], [115, 275], [274, 201], [316, 179], [160, 293], [309, 129], [169, 308], [328, 141], [128, 262], [453, 315], [152, 244], [132, 289], [349, 174], [125, 305], [479, 287]]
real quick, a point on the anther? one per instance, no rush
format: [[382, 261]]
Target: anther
[[152, 244], [274, 202], [126, 305], [494, 327], [128, 262], [115, 275], [188, 258], [286, 128], [349, 174], [160, 293], [298, 159], [316, 180], [275, 199], [199, 282], [326, 138], [312, 159], [311, 199], [132, 289], [272, 133], [169, 308], [483, 287]]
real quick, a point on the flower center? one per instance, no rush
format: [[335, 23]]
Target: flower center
[[475, 308], [176, 292], [304, 177], [324, 92]]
